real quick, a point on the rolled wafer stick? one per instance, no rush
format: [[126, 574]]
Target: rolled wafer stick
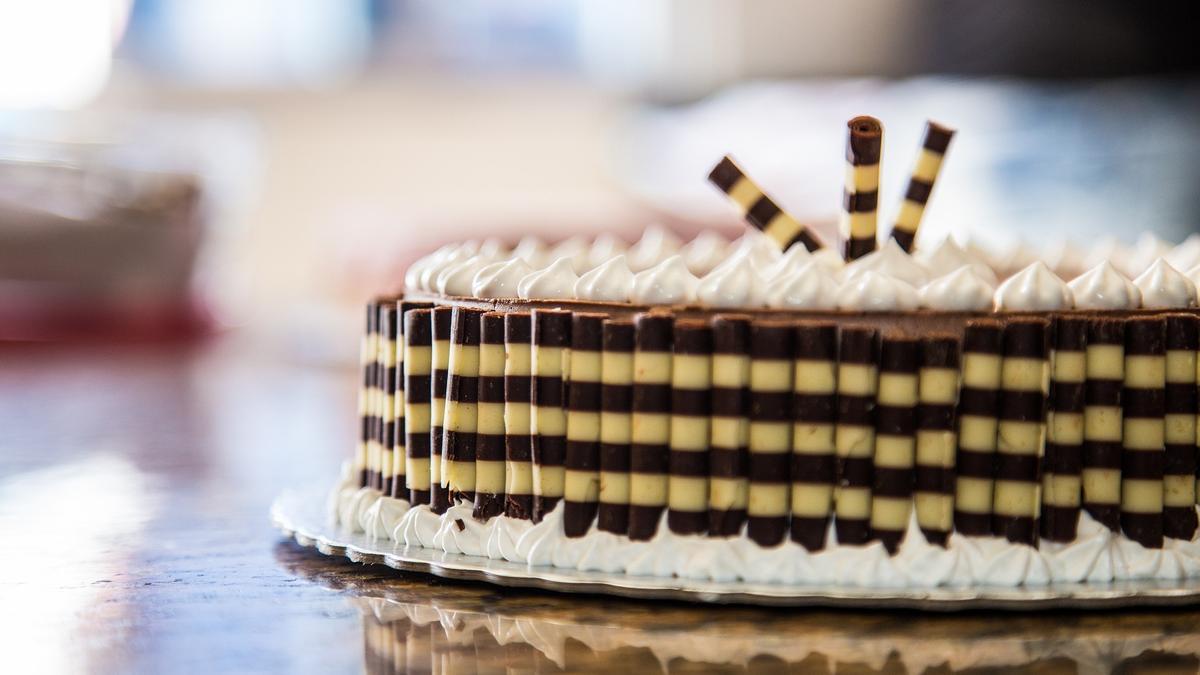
[[581, 489], [728, 455], [616, 406], [650, 432], [860, 197], [1061, 467], [1143, 451], [462, 406], [399, 426], [366, 396], [442, 316], [418, 369], [920, 185], [1021, 432], [936, 441], [772, 353], [1102, 420], [978, 405], [691, 382], [758, 209], [489, 429], [895, 441], [813, 457], [854, 435], [518, 442], [388, 331], [1179, 487], [548, 417]]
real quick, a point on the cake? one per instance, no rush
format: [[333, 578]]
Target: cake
[[775, 410]]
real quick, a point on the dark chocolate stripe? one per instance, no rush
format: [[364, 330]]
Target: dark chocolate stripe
[[1106, 331], [810, 532], [892, 482], [491, 328], [1103, 393], [935, 417], [1145, 336], [438, 385], [463, 388], [904, 239], [731, 334], [1144, 528], [816, 341], [549, 450], [584, 396], [518, 328], [1019, 529], [978, 402], [688, 463], [1059, 523], [1180, 398], [859, 345], [725, 174], [973, 464], [518, 506], [1063, 459], [973, 524], [898, 355], [983, 336], [617, 336], [805, 239], [864, 141], [687, 522], [807, 468], [728, 462], [692, 337], [918, 190], [1142, 464], [587, 331], [726, 402], [692, 402], [853, 530], [1013, 467], [934, 479], [1179, 522], [582, 455], [649, 458], [1067, 397], [1142, 403], [460, 446], [653, 332], [643, 521], [769, 467], [771, 341], [551, 328], [518, 447], [487, 506], [652, 398], [1070, 333], [614, 458], [548, 391], [855, 471], [489, 447], [937, 137], [1026, 338], [894, 420], [491, 389], [856, 410], [616, 398], [860, 202], [417, 445], [857, 247], [761, 212], [1102, 454], [1108, 515], [518, 388], [1022, 406], [770, 406], [1183, 332], [416, 388], [613, 518], [814, 408], [464, 326], [1180, 459], [442, 317], [766, 531]]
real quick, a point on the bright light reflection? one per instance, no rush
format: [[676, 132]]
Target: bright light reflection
[[66, 531]]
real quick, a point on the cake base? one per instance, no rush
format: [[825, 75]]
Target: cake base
[[301, 514]]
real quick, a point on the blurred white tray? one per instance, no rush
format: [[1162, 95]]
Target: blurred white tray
[[301, 514]]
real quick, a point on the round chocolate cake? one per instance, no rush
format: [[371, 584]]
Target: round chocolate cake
[[774, 410]]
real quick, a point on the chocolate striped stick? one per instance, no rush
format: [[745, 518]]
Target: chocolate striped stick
[[462, 406], [442, 317], [548, 417], [366, 360], [691, 382], [936, 441], [758, 209], [772, 353], [616, 406], [1021, 433], [728, 455], [895, 442], [860, 197], [1061, 483], [1102, 420], [978, 406], [518, 442], [650, 432], [489, 429], [1143, 451], [854, 435], [388, 331], [581, 489], [920, 185], [418, 367], [1179, 487], [814, 456], [399, 430]]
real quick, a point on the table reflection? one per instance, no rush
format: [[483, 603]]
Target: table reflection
[[414, 624]]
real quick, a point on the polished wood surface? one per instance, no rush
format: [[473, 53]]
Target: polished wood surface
[[134, 488]]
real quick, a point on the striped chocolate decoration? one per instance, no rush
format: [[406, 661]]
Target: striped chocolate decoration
[[1061, 483], [418, 359], [462, 406], [650, 432], [936, 441], [1102, 426], [978, 405], [388, 331], [366, 359], [518, 442], [920, 185], [895, 444], [854, 437], [860, 197], [1143, 452], [1179, 487], [442, 316], [489, 428], [399, 430], [813, 459], [581, 489], [691, 382], [772, 353], [728, 455], [1021, 432], [616, 406], [548, 416], [758, 209]]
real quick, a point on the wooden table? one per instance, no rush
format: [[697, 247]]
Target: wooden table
[[134, 487]]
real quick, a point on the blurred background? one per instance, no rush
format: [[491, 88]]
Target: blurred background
[[168, 167]]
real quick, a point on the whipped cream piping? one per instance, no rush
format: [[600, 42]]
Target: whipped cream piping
[[889, 260], [1034, 288], [948, 257], [1103, 287], [1163, 287], [500, 280], [704, 252], [609, 282], [656, 245], [553, 283], [732, 285], [962, 290], [809, 287], [871, 291], [667, 283]]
